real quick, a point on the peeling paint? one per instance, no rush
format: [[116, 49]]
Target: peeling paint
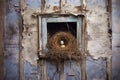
[[29, 34], [30, 47], [33, 4], [98, 37], [98, 40], [98, 44], [51, 6], [71, 6], [30, 71], [29, 40]]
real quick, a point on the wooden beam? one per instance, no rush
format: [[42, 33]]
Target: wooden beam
[[83, 69], [109, 60], [109, 69], [44, 71], [2, 14], [61, 69]]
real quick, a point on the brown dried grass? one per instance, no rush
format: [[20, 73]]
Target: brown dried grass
[[55, 51]]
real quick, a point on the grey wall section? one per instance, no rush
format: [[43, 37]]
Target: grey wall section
[[96, 69], [30, 71], [116, 39], [11, 40]]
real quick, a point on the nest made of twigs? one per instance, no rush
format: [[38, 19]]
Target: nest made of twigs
[[70, 51]]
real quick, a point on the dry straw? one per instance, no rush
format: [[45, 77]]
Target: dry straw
[[70, 51]]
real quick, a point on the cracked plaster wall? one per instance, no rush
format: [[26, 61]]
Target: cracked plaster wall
[[11, 49], [98, 37], [98, 44], [30, 37]]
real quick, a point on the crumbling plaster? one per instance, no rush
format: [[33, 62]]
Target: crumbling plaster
[[98, 44]]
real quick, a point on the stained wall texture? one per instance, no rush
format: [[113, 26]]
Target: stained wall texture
[[98, 37], [97, 28], [11, 40], [30, 38], [98, 44]]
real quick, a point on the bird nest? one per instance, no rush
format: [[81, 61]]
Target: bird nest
[[63, 45]]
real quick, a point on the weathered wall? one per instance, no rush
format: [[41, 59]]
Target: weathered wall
[[11, 40], [29, 38], [97, 28], [2, 14], [96, 69], [116, 39], [30, 30], [98, 44]]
